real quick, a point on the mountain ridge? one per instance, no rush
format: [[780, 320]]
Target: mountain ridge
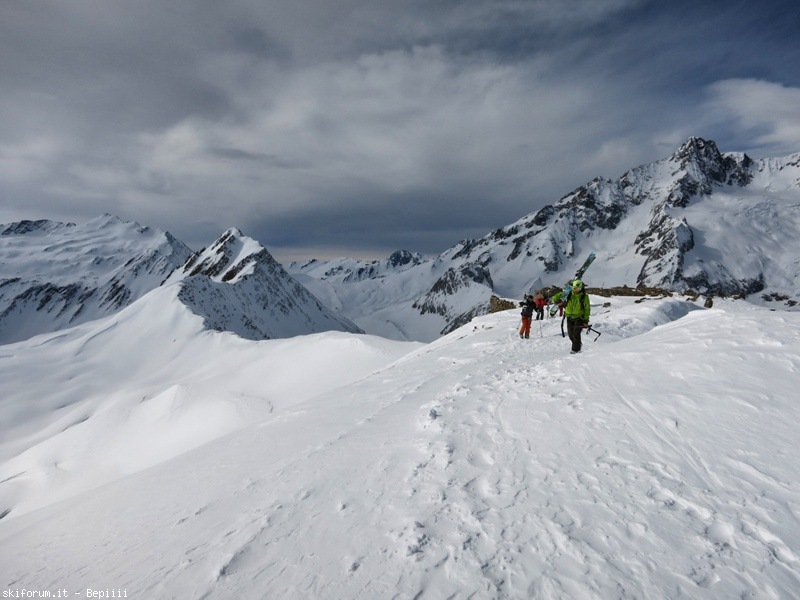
[[479, 465], [698, 220], [58, 275]]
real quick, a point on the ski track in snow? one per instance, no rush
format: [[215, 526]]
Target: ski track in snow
[[523, 472]]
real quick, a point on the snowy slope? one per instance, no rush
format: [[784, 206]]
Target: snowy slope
[[661, 463], [56, 275], [236, 285], [108, 398]]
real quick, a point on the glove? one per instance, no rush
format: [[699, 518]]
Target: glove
[[586, 324]]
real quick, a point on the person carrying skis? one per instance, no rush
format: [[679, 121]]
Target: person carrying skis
[[528, 305], [577, 311]]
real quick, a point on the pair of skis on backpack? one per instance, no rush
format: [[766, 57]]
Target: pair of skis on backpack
[[565, 293]]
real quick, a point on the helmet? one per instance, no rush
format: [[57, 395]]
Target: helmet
[[577, 284]]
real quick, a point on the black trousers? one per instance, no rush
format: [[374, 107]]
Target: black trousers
[[574, 329]]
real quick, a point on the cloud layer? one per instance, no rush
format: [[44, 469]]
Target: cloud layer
[[358, 127]]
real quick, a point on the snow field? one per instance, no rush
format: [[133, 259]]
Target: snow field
[[659, 463], [87, 405]]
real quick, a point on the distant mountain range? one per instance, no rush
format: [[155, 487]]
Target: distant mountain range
[[699, 219], [57, 275]]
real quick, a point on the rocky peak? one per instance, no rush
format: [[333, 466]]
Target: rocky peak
[[400, 258], [703, 165], [40, 227], [698, 150], [225, 259], [236, 285]]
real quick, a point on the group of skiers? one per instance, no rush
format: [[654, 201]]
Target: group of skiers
[[576, 310]]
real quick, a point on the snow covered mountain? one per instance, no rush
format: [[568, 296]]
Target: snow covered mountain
[[420, 301], [55, 275], [167, 450], [715, 223], [699, 219], [236, 285], [662, 462]]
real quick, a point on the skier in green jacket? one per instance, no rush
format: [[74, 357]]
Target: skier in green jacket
[[577, 311]]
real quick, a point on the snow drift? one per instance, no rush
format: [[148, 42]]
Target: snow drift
[[90, 404]]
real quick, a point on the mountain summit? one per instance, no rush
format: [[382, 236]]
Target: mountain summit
[[236, 285]]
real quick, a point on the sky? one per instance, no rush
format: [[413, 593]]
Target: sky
[[328, 128]]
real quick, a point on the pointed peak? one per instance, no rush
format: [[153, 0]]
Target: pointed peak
[[403, 257], [228, 236], [234, 237], [234, 232], [105, 220], [228, 259], [695, 146]]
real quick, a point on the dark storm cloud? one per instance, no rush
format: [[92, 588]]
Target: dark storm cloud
[[371, 125]]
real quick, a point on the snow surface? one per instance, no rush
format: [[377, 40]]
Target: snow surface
[[662, 462], [88, 405]]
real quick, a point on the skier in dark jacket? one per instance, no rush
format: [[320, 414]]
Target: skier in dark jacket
[[528, 305], [577, 311]]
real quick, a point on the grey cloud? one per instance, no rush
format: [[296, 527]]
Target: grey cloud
[[363, 123]]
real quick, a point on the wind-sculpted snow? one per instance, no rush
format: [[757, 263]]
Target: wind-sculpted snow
[[642, 317], [662, 462], [90, 404]]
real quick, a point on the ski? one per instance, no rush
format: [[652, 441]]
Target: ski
[[568, 288]]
